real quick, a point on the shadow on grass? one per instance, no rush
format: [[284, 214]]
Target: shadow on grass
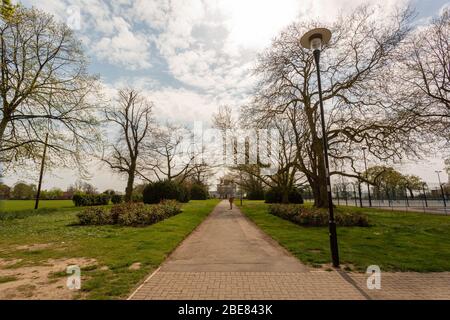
[[22, 214]]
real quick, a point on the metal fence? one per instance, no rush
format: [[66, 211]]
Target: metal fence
[[431, 198]]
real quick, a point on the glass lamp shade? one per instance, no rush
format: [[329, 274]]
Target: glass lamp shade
[[315, 39], [316, 43]]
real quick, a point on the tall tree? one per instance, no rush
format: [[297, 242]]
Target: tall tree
[[45, 88], [132, 114], [421, 83], [356, 62]]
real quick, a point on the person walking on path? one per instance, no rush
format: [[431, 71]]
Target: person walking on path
[[231, 200]]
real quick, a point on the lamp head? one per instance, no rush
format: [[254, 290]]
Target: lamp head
[[315, 39]]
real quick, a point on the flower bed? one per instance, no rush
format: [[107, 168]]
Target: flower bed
[[129, 214], [305, 216]]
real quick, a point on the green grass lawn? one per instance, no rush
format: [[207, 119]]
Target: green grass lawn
[[396, 241], [20, 205], [112, 246]]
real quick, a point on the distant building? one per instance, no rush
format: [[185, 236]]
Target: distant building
[[225, 188]]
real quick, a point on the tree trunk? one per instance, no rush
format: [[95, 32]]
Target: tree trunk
[[320, 189], [130, 183], [3, 125], [285, 197]]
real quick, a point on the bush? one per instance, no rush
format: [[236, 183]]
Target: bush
[[275, 195], [130, 214], [156, 192], [256, 195], [295, 196], [316, 217], [87, 200], [137, 197], [199, 192], [116, 198], [185, 194], [95, 216]]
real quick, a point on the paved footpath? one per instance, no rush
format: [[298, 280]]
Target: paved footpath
[[228, 257]]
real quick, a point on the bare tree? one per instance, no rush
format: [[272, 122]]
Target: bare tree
[[358, 113], [422, 81], [171, 154], [132, 114], [81, 186], [44, 88]]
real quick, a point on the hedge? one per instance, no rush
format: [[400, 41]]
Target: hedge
[[199, 192], [158, 191], [87, 200], [116, 198], [256, 195], [275, 195], [301, 215]]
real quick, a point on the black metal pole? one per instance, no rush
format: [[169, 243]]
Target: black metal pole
[[368, 185], [332, 222], [38, 195], [337, 195], [425, 195], [346, 196], [360, 194], [442, 190], [406, 194]]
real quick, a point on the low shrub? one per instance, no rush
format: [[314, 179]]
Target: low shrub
[[199, 192], [275, 195], [185, 194], [116, 198], [137, 197], [158, 191], [130, 214], [171, 207], [87, 200], [256, 195], [95, 216], [317, 217]]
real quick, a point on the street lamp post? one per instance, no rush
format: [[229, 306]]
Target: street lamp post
[[442, 189], [315, 39], [368, 185], [424, 194]]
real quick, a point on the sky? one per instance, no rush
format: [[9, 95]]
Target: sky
[[191, 56]]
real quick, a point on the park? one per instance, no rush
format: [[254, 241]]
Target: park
[[204, 163]]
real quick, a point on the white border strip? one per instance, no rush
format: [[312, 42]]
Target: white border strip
[[146, 280]]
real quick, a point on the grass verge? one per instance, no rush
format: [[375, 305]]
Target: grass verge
[[114, 248], [396, 241]]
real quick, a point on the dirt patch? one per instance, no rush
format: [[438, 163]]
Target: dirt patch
[[34, 247], [8, 263], [135, 266], [37, 282]]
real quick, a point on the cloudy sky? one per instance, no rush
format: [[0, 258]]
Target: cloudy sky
[[190, 56]]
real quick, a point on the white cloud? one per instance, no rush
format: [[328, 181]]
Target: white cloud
[[123, 47]]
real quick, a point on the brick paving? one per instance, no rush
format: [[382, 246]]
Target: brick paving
[[229, 258], [246, 286]]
